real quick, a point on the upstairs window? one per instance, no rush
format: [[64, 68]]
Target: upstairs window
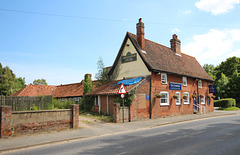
[[186, 98], [164, 100], [178, 99], [164, 78], [184, 81], [199, 83]]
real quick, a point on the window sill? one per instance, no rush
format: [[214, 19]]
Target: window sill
[[186, 103], [164, 104]]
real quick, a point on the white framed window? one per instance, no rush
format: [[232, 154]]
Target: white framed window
[[184, 81], [163, 78], [76, 99], [63, 99], [202, 99], [186, 100], [164, 100], [199, 83], [178, 99]]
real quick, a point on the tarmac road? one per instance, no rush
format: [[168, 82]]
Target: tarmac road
[[218, 135]]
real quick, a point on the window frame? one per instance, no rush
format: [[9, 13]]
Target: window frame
[[183, 79], [208, 101], [167, 103], [162, 78], [204, 101], [188, 102], [199, 83], [179, 98]]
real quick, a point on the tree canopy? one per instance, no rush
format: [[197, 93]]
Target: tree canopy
[[9, 84], [227, 78], [102, 74], [40, 82]]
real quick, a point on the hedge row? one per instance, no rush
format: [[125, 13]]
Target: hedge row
[[225, 103]]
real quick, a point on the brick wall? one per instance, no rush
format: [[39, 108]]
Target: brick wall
[[119, 113], [172, 108], [24, 122]]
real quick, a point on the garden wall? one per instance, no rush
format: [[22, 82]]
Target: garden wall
[[25, 122]]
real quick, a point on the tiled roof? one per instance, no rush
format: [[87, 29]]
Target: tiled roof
[[36, 90], [159, 58], [112, 88], [69, 90]]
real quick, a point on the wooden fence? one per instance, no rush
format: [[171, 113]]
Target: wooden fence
[[22, 103]]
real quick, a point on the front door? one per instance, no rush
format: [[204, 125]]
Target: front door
[[194, 103]]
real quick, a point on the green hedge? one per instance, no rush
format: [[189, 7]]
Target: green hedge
[[225, 103]]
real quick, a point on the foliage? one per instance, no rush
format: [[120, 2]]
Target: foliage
[[58, 104], [87, 101], [128, 99], [225, 103], [9, 84], [93, 115], [40, 82], [229, 109], [210, 69], [102, 74], [227, 78]]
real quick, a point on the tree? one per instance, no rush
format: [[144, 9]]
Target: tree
[[40, 82], [20, 83], [102, 74], [210, 69], [87, 102], [222, 86], [234, 87]]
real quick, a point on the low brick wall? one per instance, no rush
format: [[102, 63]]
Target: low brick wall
[[24, 122]]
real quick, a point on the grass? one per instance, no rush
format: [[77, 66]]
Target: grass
[[87, 122], [104, 118], [229, 109]]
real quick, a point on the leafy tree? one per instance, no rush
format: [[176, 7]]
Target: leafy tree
[[9, 84], [102, 74], [88, 101], [222, 86], [40, 82], [210, 69], [234, 87]]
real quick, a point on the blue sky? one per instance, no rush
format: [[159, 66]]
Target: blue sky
[[61, 40]]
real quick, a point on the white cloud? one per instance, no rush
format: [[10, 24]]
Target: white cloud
[[216, 6], [175, 30], [214, 46]]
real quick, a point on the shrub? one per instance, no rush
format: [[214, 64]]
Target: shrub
[[225, 103]]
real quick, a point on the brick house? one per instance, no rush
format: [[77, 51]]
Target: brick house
[[164, 70]]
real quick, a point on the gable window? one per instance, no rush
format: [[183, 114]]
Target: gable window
[[178, 99], [164, 100], [184, 81], [199, 83], [186, 98], [163, 78], [202, 99]]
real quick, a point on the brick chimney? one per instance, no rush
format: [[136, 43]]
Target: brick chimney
[[175, 44], [140, 34]]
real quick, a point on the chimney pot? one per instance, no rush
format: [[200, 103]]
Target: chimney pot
[[140, 34], [175, 44]]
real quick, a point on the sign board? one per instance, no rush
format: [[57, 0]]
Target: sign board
[[122, 90], [147, 97], [129, 57], [211, 89], [175, 86]]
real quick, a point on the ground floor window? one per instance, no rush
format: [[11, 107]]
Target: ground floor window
[[178, 99], [164, 100], [208, 101], [202, 98], [186, 98]]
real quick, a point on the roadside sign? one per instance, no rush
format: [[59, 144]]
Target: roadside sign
[[122, 95], [122, 90]]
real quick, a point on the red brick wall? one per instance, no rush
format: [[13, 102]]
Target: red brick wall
[[140, 106], [173, 109], [5, 121]]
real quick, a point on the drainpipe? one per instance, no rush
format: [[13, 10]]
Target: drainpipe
[[150, 99]]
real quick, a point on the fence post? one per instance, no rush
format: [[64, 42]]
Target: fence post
[[75, 116], [5, 121]]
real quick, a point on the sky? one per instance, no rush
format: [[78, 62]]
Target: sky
[[61, 40]]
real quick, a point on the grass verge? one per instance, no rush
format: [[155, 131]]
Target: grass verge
[[229, 109], [104, 118]]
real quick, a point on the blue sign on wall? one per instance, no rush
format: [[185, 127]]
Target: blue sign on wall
[[175, 86], [147, 97], [211, 89]]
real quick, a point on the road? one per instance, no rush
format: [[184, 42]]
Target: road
[[220, 135]]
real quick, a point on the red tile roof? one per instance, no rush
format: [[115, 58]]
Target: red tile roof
[[69, 90], [36, 90], [112, 88], [159, 58]]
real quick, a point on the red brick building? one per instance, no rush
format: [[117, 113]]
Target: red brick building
[[165, 71]]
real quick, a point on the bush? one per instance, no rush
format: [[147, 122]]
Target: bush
[[225, 103]]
